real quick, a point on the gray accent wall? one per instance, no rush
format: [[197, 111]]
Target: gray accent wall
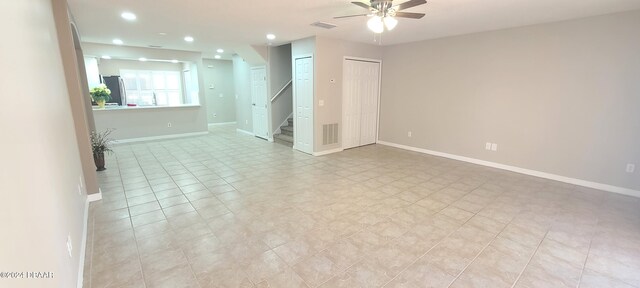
[[330, 55], [219, 90], [561, 98]]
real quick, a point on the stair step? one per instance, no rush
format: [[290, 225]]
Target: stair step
[[287, 128], [283, 139], [290, 120]]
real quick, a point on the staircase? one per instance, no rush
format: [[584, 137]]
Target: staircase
[[286, 134]]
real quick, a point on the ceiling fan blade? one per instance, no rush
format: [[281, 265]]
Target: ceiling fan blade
[[410, 3], [363, 5], [348, 16], [409, 15]]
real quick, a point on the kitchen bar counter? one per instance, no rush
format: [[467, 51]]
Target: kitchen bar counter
[[108, 108], [135, 122]]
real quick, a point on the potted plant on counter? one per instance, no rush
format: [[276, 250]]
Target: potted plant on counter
[[100, 143], [100, 94]]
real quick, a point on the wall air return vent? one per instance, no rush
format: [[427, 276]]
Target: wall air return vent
[[329, 134], [324, 25]]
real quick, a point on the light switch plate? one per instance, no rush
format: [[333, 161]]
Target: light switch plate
[[494, 147], [487, 146], [320, 103]]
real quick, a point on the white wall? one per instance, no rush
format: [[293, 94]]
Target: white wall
[[219, 91], [40, 168], [561, 98], [242, 87]]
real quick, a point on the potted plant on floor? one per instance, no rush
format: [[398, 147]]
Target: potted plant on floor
[[100, 143], [100, 94]]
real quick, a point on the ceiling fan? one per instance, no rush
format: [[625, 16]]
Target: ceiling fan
[[383, 13]]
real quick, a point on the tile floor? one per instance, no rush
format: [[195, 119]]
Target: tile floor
[[229, 210]]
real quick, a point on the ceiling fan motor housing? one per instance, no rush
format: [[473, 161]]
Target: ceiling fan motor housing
[[383, 8]]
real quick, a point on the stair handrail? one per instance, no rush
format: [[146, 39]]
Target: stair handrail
[[282, 90]]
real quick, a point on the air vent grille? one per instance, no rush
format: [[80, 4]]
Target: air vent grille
[[329, 134], [324, 25]]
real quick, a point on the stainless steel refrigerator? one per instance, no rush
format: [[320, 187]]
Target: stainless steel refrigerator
[[116, 85]]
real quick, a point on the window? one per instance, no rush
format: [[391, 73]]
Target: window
[[152, 88]]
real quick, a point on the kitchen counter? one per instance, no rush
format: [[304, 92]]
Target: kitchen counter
[[108, 108], [135, 122]]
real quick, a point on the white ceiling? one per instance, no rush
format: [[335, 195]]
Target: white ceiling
[[234, 24]]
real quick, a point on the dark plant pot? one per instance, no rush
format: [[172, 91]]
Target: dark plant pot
[[98, 158]]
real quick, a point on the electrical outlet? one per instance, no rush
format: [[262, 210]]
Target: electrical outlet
[[631, 168], [169, 124], [69, 246], [215, 114], [494, 147], [409, 134], [487, 146]]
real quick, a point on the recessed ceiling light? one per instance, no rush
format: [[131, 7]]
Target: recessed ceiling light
[[174, 61], [106, 57], [142, 59], [217, 57], [220, 51], [271, 36], [117, 42], [128, 16], [188, 38]]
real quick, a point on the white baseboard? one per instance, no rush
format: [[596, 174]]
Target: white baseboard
[[245, 132], [579, 182], [326, 152], [221, 124], [95, 196], [83, 244], [162, 137]]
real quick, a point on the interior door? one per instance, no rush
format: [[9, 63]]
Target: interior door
[[259, 102], [303, 102], [360, 103], [351, 109]]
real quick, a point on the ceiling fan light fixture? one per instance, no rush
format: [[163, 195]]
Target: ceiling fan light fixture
[[375, 24], [390, 22]]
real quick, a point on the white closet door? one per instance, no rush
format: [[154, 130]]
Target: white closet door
[[259, 99], [303, 97], [351, 105], [360, 103], [369, 102]]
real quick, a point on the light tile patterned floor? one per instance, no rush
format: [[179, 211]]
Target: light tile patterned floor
[[229, 210]]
